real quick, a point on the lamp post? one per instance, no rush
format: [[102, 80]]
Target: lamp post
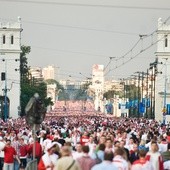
[[138, 114]]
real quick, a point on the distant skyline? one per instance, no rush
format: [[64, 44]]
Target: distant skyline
[[75, 34]]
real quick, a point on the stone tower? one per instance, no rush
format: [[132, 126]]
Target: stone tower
[[10, 49], [162, 89]]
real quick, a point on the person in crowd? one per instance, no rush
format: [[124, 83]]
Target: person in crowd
[[142, 144], [85, 161], [23, 151], [134, 153], [46, 142], [100, 152], [155, 157], [78, 153], [38, 150], [66, 162], [84, 139], [109, 145], [166, 155], [166, 158], [142, 163], [122, 145], [61, 140], [163, 145], [49, 159], [2, 145], [119, 159], [106, 164], [92, 145], [15, 143], [9, 156]]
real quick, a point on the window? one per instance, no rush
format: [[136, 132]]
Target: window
[[166, 41], [3, 39], [12, 39]]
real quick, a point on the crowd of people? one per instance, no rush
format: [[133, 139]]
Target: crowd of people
[[86, 143]]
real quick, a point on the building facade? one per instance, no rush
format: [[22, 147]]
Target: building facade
[[162, 85], [10, 49], [98, 86], [51, 72], [36, 72]]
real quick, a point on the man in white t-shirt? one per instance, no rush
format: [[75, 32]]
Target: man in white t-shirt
[[78, 153], [119, 160], [2, 145]]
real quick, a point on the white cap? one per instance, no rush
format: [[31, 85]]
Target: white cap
[[1, 138]]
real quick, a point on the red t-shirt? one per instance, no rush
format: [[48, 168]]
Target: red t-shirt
[[84, 140], [9, 153]]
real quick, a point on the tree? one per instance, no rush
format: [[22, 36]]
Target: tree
[[28, 86], [111, 93], [24, 69]]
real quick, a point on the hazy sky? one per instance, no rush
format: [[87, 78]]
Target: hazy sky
[[75, 34]]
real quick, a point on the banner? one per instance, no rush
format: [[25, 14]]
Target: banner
[[147, 102], [141, 107], [144, 101], [168, 109], [127, 105], [135, 103]]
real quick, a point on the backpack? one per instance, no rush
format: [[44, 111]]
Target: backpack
[[97, 159]]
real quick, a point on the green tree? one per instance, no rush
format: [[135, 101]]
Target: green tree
[[24, 69], [111, 93], [28, 86]]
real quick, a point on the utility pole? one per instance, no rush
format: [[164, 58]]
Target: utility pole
[[5, 92], [147, 94], [138, 95], [165, 88]]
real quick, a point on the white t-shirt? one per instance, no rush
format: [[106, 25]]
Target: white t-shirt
[[2, 145]]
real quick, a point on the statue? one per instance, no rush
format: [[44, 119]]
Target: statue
[[35, 110]]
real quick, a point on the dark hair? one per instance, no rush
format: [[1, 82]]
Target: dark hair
[[85, 149], [108, 156], [142, 153], [154, 142], [119, 151], [102, 147], [8, 140]]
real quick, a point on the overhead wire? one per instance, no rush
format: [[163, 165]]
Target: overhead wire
[[75, 27], [141, 51], [69, 51], [87, 5]]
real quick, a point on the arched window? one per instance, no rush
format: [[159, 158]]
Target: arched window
[[3, 39], [12, 39], [166, 41]]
